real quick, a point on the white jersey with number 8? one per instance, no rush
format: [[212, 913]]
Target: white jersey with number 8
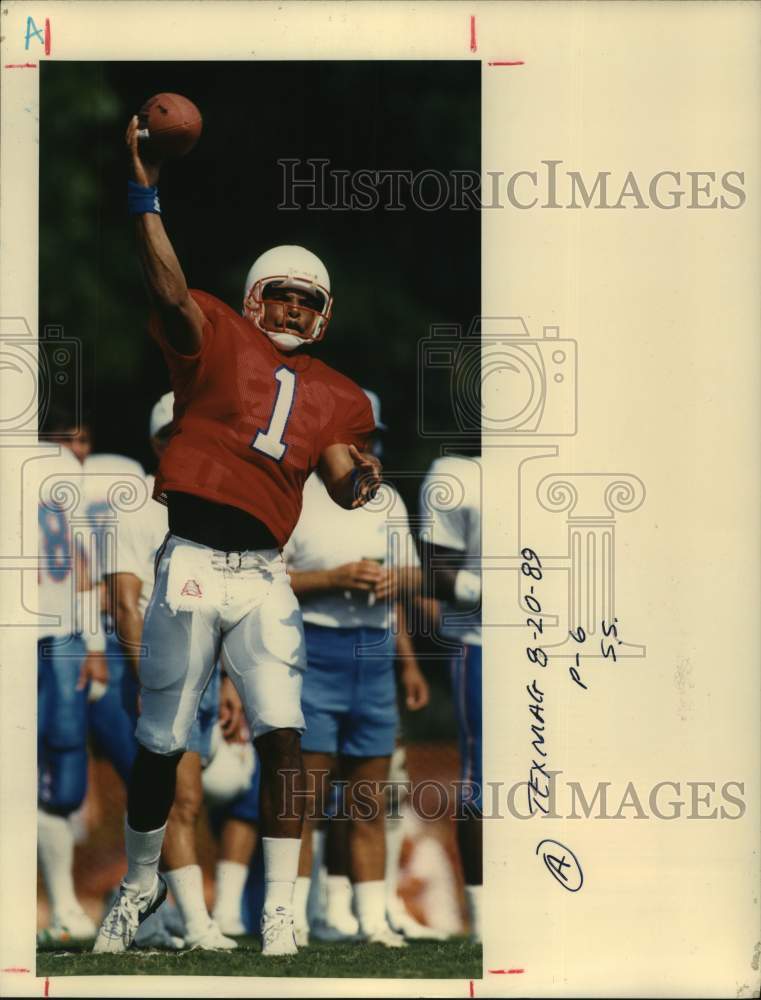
[[451, 497]]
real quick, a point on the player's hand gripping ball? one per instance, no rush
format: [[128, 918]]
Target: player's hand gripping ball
[[170, 125]]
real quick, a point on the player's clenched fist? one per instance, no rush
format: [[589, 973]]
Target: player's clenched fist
[[366, 476]]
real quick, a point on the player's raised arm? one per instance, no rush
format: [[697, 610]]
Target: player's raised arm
[[182, 318]]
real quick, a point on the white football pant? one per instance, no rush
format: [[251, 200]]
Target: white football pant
[[206, 604]]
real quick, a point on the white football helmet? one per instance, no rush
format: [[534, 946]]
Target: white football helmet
[[289, 267], [229, 770]]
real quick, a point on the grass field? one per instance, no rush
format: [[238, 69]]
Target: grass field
[[457, 958]]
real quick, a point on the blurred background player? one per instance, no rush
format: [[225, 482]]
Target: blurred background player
[[70, 662], [61, 429], [397, 819], [231, 793], [347, 569], [452, 565], [141, 533], [108, 481]]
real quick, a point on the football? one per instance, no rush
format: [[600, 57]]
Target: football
[[170, 125]]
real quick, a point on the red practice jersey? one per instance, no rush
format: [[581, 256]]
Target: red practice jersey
[[250, 421]]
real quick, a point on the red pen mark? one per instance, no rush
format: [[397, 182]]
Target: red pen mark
[[472, 989], [21, 65], [473, 45], [46, 991], [13, 968], [47, 36], [505, 972], [513, 62]]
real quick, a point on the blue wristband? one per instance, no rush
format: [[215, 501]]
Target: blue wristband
[[142, 199]]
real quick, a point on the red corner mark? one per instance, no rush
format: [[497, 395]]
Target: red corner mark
[[14, 968], [505, 972], [472, 989], [47, 36], [473, 45], [21, 65], [46, 991], [513, 62]]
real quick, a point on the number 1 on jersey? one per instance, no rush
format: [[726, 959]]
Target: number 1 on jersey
[[270, 442]]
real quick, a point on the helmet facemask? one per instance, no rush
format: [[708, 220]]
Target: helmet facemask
[[289, 332]]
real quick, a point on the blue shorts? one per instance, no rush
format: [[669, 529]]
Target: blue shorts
[[349, 699], [61, 725], [466, 690]]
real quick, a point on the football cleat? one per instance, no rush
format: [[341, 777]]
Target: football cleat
[[405, 924], [334, 930], [386, 936], [72, 925], [301, 933], [278, 937], [212, 939], [230, 924], [131, 908]]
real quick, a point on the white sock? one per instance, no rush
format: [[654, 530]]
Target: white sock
[[300, 897], [394, 831], [281, 865], [370, 900], [55, 849], [187, 888], [143, 850], [473, 899], [338, 893], [229, 885]]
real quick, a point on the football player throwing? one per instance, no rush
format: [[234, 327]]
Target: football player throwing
[[254, 414]]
